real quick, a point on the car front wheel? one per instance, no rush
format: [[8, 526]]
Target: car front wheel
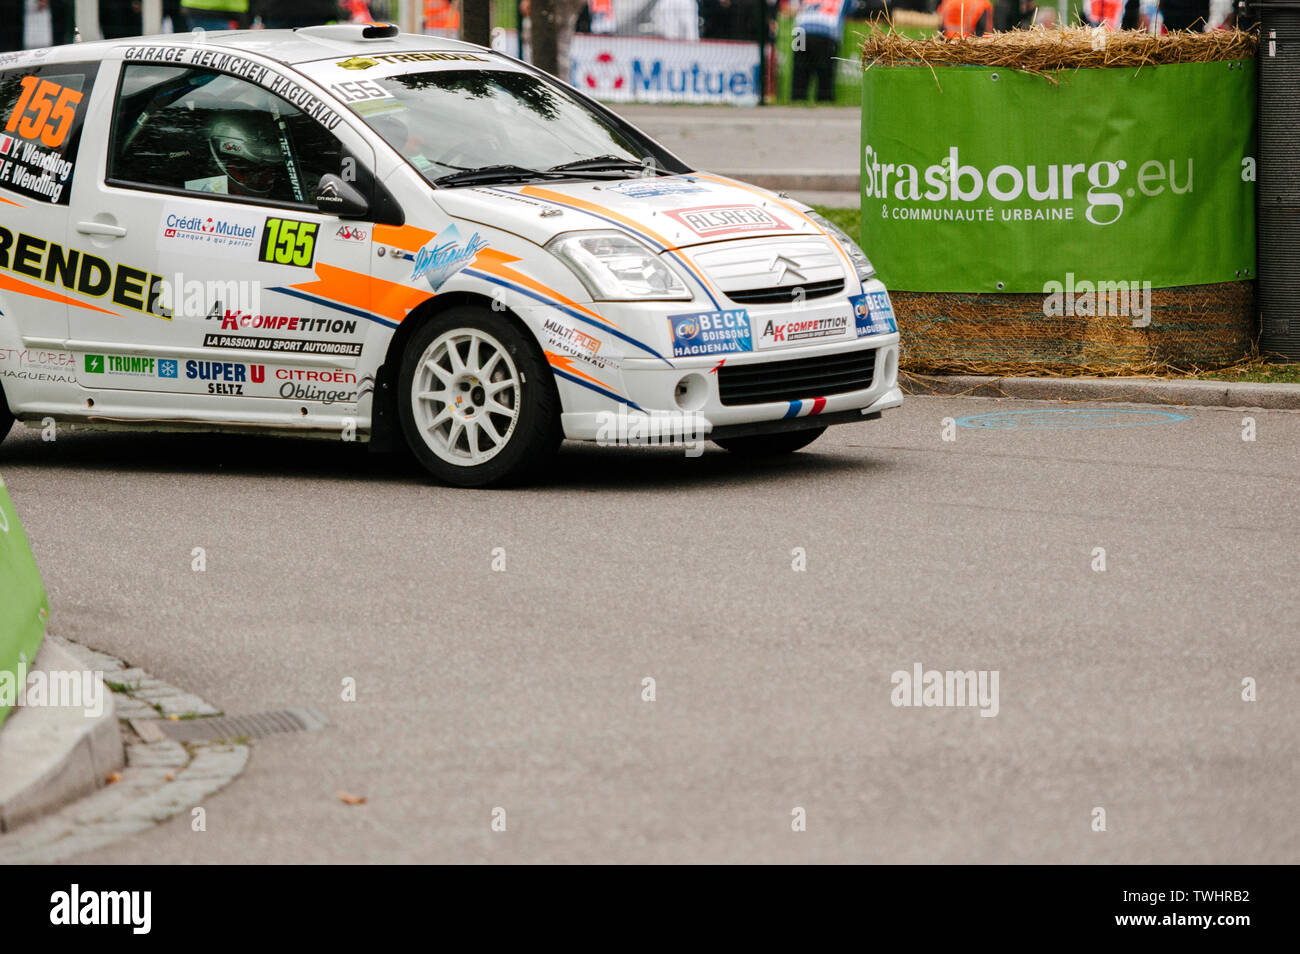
[[477, 403]]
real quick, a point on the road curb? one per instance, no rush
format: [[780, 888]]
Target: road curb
[[55, 756], [1269, 397]]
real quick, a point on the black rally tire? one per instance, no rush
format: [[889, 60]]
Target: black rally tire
[[771, 445], [536, 434], [6, 419]]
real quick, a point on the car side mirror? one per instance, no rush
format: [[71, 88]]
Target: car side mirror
[[336, 197]]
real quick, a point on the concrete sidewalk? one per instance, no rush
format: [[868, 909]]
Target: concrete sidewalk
[[810, 152], [51, 755], [1243, 394]]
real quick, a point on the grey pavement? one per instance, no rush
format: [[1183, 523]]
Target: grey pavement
[[811, 152], [522, 689]]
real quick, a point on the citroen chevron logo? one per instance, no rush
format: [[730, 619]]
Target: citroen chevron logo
[[786, 268]]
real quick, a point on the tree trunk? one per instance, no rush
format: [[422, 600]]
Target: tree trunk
[[476, 22]]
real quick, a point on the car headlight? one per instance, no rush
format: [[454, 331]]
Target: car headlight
[[851, 248], [616, 267]]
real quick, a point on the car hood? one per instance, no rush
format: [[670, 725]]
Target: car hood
[[666, 211]]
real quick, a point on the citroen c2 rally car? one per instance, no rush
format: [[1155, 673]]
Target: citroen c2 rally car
[[343, 230]]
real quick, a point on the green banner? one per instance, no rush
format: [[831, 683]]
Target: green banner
[[988, 180], [23, 607]]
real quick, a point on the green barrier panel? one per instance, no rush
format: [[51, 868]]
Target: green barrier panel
[[1115, 174], [23, 606]]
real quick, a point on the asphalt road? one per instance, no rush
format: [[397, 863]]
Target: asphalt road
[[522, 689]]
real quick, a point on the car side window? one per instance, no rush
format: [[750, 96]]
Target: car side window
[[41, 112], [203, 132]]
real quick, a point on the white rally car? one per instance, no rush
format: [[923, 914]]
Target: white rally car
[[343, 230]]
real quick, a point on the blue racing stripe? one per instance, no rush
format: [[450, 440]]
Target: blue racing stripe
[[348, 309], [795, 408], [591, 387], [537, 296]]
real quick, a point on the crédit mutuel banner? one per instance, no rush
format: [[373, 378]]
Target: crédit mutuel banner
[[988, 180], [643, 69]]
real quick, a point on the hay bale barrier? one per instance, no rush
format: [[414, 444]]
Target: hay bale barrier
[[1142, 264]]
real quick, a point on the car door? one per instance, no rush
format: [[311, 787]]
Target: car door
[[252, 293], [43, 108]]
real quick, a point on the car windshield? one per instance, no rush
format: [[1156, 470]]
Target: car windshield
[[503, 123]]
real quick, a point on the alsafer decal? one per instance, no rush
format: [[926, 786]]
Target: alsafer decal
[[1104, 185]]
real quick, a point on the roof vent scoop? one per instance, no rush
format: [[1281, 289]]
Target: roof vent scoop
[[353, 31]]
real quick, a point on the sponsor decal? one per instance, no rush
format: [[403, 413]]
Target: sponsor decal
[[135, 366], [351, 233], [81, 272], [239, 321], [711, 332], [225, 377], [711, 220], [788, 331], [168, 367], [204, 234], [873, 314], [650, 188], [357, 63], [283, 345], [288, 242], [576, 344], [446, 255], [35, 135], [213, 59], [41, 359]]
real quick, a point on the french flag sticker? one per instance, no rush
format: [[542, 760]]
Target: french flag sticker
[[806, 408], [6, 143]]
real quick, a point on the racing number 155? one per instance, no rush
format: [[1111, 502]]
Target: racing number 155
[[288, 242], [45, 110]]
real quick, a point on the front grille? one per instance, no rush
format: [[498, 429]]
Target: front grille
[[766, 381], [784, 294]]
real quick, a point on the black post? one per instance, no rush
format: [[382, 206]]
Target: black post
[[1277, 184], [476, 22], [762, 52]]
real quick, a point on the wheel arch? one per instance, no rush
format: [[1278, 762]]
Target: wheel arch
[[385, 432]]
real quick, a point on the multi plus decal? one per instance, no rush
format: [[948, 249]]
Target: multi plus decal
[[568, 340], [873, 314], [37, 130], [80, 272], [288, 242], [225, 233], [711, 332], [445, 255], [236, 324], [709, 220], [777, 332], [306, 101]]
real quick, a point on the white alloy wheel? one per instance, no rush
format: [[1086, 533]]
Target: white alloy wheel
[[465, 397]]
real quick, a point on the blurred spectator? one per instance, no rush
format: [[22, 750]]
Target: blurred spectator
[[441, 17], [214, 14], [1176, 14], [818, 27], [1107, 13], [965, 17], [292, 14], [675, 19], [13, 19]]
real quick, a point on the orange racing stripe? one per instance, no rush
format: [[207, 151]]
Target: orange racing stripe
[[9, 283]]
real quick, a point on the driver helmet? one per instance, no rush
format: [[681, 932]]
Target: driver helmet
[[246, 150]]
